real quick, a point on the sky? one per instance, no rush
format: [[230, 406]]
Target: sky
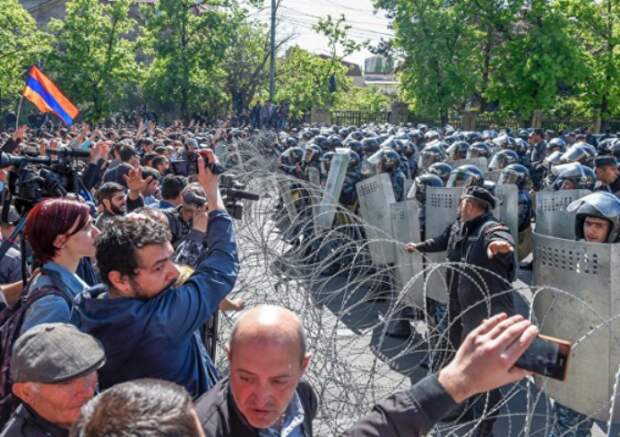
[[297, 17]]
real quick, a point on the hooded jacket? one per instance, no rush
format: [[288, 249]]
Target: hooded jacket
[[158, 337]]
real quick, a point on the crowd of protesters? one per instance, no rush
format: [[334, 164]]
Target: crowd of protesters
[[105, 337]]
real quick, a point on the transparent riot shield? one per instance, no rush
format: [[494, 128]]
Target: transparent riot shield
[[441, 211], [492, 175], [406, 228], [283, 183], [333, 187], [551, 216], [507, 208], [586, 312], [481, 163], [375, 196], [314, 191]]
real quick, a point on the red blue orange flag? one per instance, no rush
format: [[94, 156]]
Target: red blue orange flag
[[46, 96]]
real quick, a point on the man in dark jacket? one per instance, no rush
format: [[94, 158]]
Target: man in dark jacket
[[607, 174], [54, 372], [264, 394], [480, 280], [158, 324]]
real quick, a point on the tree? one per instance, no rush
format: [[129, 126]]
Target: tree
[[21, 45], [537, 59], [362, 99], [187, 42], [438, 47], [304, 78], [93, 58], [596, 26]]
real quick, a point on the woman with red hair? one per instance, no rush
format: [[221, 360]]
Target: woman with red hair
[[60, 232]]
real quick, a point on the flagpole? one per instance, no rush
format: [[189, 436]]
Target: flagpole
[[19, 111]]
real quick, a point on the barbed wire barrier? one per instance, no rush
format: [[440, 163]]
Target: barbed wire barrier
[[346, 303]]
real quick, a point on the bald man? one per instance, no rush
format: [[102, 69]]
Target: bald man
[[264, 394]]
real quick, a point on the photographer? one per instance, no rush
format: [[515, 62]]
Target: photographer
[[61, 232], [159, 323]]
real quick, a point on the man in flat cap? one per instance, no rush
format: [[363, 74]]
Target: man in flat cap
[[54, 372], [607, 174], [479, 285]]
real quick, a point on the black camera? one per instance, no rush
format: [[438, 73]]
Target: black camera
[[189, 166]]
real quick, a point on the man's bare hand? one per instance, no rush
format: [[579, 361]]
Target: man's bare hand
[[411, 247], [486, 358], [501, 247], [99, 151], [20, 133], [135, 183], [200, 219]]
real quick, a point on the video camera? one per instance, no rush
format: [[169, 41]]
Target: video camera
[[34, 178], [189, 166], [233, 193]]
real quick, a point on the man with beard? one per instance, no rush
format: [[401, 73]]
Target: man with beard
[[148, 327], [115, 202]]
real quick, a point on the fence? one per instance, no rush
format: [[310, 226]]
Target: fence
[[358, 118]]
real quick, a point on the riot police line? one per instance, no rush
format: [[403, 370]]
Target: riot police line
[[351, 198]]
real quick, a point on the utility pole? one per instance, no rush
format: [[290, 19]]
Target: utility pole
[[272, 68]]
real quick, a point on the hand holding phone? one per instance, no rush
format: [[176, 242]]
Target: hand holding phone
[[546, 356]]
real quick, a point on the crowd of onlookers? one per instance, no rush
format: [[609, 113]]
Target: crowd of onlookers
[[106, 337]]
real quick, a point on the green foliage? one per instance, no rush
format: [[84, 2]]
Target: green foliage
[[439, 50], [245, 63], [538, 58], [187, 44], [21, 45], [336, 33], [93, 59], [362, 99], [303, 81]]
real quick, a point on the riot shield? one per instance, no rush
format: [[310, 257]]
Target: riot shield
[[333, 187], [480, 162], [375, 195], [586, 312], [406, 228], [507, 208], [283, 183], [441, 211], [551, 216], [314, 191]]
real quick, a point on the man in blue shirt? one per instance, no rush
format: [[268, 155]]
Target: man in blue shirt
[[149, 329]]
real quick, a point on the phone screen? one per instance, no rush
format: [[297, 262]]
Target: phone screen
[[546, 357]]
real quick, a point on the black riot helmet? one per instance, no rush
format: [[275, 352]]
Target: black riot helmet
[[504, 141], [574, 176], [354, 160], [614, 148], [465, 175], [431, 154], [479, 150], [312, 153], [516, 174], [371, 145], [326, 162], [556, 143], [389, 160], [579, 152], [356, 146], [320, 140], [291, 142], [418, 189], [502, 159], [442, 170], [292, 156], [458, 150], [600, 204], [334, 141]]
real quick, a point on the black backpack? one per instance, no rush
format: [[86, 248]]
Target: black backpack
[[11, 321]]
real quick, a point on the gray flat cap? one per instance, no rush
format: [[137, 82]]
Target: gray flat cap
[[54, 352]]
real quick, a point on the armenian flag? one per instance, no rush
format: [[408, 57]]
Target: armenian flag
[[46, 96]]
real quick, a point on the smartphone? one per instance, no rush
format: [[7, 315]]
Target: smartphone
[[547, 356]]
